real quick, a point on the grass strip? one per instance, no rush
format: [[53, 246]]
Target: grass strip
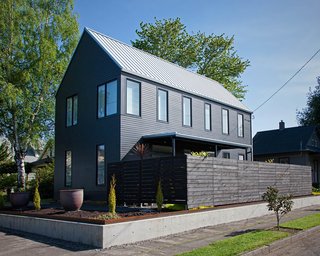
[[238, 244], [303, 223]]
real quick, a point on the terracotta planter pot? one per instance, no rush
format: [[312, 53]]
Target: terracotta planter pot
[[71, 199], [19, 199]]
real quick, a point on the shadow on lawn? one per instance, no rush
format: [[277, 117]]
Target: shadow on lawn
[[240, 232], [71, 246]]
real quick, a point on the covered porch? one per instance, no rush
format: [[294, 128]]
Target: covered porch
[[177, 144]]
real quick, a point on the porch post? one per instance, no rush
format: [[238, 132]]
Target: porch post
[[173, 146]]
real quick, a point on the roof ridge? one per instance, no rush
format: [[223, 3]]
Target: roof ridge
[[155, 56]]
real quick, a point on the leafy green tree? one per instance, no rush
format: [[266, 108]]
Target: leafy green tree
[[311, 114], [37, 38], [211, 55], [280, 204], [4, 153]]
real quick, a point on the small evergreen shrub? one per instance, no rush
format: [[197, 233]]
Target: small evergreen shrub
[[159, 196], [37, 198], [112, 196]]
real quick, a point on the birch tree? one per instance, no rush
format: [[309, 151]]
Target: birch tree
[[37, 38]]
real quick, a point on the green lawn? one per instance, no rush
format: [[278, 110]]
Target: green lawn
[[303, 223], [238, 244]]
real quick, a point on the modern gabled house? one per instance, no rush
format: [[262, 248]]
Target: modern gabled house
[[295, 145], [113, 96]]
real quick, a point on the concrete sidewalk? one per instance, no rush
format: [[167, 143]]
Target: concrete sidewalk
[[26, 244]]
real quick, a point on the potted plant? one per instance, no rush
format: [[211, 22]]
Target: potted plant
[[71, 199], [19, 199]]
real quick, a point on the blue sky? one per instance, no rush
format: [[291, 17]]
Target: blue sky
[[278, 37]]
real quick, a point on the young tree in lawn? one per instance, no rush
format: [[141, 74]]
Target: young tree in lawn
[[37, 38], [211, 55], [280, 204], [311, 114]]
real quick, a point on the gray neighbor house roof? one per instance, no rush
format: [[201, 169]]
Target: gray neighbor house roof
[[137, 62], [295, 139]]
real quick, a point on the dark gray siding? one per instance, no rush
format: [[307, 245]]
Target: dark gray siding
[[133, 128], [90, 67]]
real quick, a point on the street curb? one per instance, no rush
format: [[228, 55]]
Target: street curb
[[282, 242]]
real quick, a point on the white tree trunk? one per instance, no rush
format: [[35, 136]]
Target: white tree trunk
[[19, 159]]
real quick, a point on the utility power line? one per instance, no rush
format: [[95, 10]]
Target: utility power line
[[305, 64]]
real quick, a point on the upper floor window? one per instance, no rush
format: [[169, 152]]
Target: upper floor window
[[100, 165], [225, 121], [241, 157], [226, 155], [72, 110], [133, 98], [107, 99], [162, 105], [68, 168], [207, 117], [186, 111], [240, 125]]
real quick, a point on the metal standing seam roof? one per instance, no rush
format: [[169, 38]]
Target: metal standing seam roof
[[146, 65]]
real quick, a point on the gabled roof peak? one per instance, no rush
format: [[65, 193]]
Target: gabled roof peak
[[148, 66]]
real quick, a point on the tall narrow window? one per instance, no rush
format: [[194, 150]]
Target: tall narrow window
[[225, 121], [101, 101], [68, 168], [100, 165], [69, 111], [187, 111], [133, 98], [112, 98], [207, 117], [107, 99], [240, 125], [72, 110], [162, 105], [75, 110]]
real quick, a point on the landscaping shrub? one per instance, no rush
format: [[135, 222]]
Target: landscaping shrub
[[112, 196], [1, 201], [201, 153], [159, 196], [45, 177], [280, 204], [11, 167], [8, 181], [36, 197]]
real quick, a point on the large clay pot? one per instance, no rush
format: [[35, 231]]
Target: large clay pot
[[19, 199], [71, 199]]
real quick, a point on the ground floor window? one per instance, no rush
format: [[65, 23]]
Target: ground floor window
[[68, 168], [241, 157], [100, 165], [226, 155]]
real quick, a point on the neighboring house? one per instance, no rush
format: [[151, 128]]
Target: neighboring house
[[113, 96], [296, 145], [46, 157]]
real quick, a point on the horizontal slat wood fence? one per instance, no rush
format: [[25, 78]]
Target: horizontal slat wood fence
[[196, 181]]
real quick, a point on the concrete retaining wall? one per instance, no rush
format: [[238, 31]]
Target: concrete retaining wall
[[103, 236], [83, 233], [215, 181]]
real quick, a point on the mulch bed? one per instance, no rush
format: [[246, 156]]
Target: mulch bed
[[88, 216]]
